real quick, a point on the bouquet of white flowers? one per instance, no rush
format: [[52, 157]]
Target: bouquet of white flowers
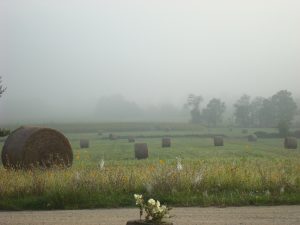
[[155, 212]]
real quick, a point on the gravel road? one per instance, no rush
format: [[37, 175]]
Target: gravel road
[[263, 215]]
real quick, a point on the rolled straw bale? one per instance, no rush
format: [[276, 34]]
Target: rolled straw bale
[[166, 142], [252, 138], [218, 141], [28, 147], [141, 150], [131, 139], [84, 143], [290, 143]]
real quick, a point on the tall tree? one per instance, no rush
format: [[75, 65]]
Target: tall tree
[[2, 89], [243, 111], [267, 114], [212, 114], [255, 109], [285, 109], [193, 103]]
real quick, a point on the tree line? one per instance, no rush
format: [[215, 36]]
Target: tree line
[[275, 111]]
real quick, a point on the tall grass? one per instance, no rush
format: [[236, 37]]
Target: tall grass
[[201, 182]]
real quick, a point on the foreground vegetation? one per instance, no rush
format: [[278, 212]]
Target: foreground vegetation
[[107, 175]]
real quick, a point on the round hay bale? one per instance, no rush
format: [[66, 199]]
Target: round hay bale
[[166, 142], [29, 147], [252, 138], [131, 139], [218, 141], [141, 150], [290, 143], [84, 143]]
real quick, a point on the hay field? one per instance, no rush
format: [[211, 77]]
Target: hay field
[[239, 173]]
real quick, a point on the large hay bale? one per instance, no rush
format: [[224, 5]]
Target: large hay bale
[[290, 143], [218, 141], [252, 138], [28, 147], [141, 150], [166, 142], [84, 143], [131, 139]]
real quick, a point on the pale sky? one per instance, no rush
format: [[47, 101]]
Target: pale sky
[[63, 55]]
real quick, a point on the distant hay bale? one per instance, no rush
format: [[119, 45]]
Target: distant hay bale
[[218, 141], [112, 137], [141, 150], [100, 133], [166, 142], [290, 143], [252, 138], [29, 147], [84, 143], [131, 139]]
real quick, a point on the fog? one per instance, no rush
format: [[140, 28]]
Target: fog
[[83, 61]]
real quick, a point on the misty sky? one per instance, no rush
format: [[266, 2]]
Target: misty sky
[[61, 56]]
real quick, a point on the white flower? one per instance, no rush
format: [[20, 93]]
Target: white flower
[[164, 208], [151, 201], [157, 203], [198, 178], [138, 199], [77, 176], [137, 196], [179, 165], [101, 164]]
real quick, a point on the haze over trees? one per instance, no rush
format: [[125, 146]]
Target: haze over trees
[[212, 114], [277, 111], [193, 103]]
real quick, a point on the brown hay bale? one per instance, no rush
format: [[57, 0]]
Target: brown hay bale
[[131, 139], [112, 137], [252, 138], [27, 147], [218, 141], [84, 143], [290, 143], [166, 142], [141, 150]]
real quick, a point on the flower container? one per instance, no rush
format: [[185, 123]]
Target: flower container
[[144, 222]]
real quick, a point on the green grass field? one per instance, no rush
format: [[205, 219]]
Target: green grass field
[[240, 173]]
